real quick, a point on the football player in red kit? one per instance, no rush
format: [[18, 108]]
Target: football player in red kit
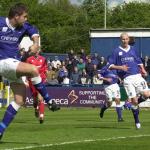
[[38, 101]]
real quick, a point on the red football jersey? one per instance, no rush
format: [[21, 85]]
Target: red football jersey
[[41, 63]]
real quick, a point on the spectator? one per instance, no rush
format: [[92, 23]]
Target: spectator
[[96, 59], [48, 61], [84, 78], [81, 65], [67, 61], [55, 62], [22, 52], [101, 63], [66, 80], [53, 80], [69, 67], [146, 63], [82, 54], [75, 61], [63, 63], [89, 68], [50, 73], [97, 80], [75, 76], [71, 54], [57, 70], [94, 69], [61, 74]]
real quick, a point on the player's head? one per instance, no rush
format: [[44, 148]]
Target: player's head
[[124, 39], [18, 13], [22, 51], [32, 51]]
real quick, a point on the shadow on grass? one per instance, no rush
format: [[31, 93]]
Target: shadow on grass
[[14, 142], [96, 120], [89, 120], [103, 127]]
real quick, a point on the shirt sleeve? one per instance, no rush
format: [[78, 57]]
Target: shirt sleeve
[[31, 30], [138, 59], [112, 60]]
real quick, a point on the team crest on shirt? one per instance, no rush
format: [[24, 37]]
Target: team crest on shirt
[[120, 53], [4, 29]]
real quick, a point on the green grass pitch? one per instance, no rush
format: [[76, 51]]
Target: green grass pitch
[[76, 129]]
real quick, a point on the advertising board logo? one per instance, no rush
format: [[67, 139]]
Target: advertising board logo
[[73, 97]]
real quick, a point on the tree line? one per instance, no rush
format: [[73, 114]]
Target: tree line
[[64, 26]]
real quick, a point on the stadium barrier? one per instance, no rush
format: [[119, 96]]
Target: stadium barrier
[[80, 96], [74, 96], [69, 96]]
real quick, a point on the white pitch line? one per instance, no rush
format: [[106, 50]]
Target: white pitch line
[[74, 142]]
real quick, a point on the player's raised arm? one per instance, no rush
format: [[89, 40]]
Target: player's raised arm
[[35, 47], [123, 67]]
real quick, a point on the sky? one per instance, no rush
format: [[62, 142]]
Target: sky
[[111, 3], [78, 2], [114, 3]]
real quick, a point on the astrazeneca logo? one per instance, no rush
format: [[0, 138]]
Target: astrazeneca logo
[[61, 101], [8, 38], [73, 97]]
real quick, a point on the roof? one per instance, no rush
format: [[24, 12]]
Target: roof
[[135, 32]]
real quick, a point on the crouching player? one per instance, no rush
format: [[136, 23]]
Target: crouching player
[[112, 90], [38, 101]]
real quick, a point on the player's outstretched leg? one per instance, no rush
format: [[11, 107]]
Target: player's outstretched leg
[[35, 100], [127, 105], [36, 81], [1, 136], [41, 111], [104, 107], [36, 107], [36, 112], [9, 115], [53, 106], [141, 99], [135, 111], [119, 113]]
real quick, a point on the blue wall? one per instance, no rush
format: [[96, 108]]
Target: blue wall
[[104, 46], [51, 56]]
